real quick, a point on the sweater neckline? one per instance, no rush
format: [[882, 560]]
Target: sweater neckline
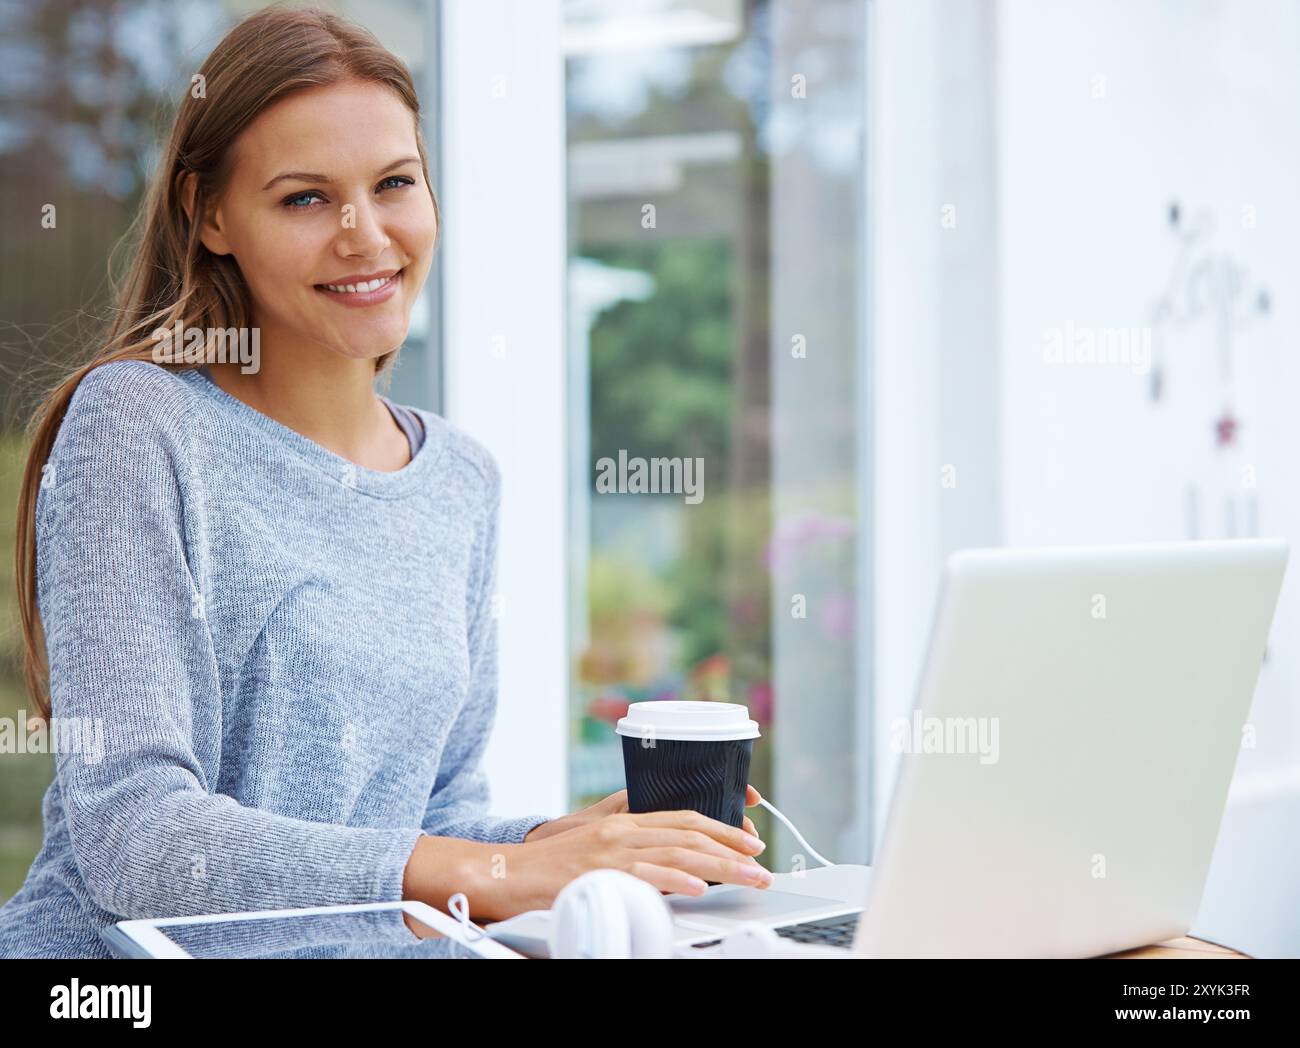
[[345, 472]]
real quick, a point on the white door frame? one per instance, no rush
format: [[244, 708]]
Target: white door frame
[[503, 258]]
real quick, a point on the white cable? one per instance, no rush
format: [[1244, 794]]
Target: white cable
[[797, 835], [458, 906]]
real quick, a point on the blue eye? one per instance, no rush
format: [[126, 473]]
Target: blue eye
[[303, 201], [289, 201]]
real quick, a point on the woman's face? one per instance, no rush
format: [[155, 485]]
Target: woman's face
[[327, 192]]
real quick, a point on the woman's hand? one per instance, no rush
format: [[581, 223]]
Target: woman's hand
[[613, 805], [676, 851]]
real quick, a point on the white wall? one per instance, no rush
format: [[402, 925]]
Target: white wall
[[934, 388], [503, 257], [1200, 103], [1061, 131]]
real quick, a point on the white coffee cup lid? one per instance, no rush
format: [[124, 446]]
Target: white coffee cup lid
[[673, 719]]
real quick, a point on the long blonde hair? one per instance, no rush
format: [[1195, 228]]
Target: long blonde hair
[[172, 276]]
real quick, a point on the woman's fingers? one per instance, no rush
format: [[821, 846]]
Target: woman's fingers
[[675, 851], [698, 845], [665, 837], [751, 796], [666, 879], [615, 802], [732, 836], [706, 867]]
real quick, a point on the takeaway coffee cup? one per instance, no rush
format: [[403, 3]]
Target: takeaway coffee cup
[[688, 755]]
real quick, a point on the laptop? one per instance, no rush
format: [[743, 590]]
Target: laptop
[[1063, 776]]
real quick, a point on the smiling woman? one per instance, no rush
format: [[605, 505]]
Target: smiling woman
[[275, 602], [333, 248]]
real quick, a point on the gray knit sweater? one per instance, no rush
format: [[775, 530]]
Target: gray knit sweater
[[291, 658]]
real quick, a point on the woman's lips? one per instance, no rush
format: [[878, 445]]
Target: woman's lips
[[360, 299]]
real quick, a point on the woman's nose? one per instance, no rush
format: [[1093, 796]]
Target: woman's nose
[[361, 232]]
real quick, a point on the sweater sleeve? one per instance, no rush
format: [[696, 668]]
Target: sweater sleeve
[[459, 803], [132, 663]]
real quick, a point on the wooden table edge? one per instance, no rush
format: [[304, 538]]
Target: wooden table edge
[[1180, 949]]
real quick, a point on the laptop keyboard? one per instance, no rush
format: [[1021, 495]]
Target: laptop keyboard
[[828, 931]]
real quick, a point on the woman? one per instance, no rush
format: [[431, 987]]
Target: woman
[[270, 586]]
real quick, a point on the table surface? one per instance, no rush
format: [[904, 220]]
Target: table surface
[[1180, 949]]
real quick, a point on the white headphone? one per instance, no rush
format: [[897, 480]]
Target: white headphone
[[609, 914]]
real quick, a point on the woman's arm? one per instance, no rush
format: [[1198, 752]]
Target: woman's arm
[[458, 805], [130, 653]]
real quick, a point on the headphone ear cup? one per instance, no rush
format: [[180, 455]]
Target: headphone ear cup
[[587, 920], [611, 931], [751, 940], [650, 919], [609, 914]]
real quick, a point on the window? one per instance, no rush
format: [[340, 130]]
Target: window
[[716, 278]]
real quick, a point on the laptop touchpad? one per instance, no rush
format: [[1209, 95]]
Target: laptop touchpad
[[750, 904]]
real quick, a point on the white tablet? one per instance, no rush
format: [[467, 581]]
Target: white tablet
[[271, 933]]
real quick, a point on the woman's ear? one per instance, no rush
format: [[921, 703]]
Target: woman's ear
[[210, 229]]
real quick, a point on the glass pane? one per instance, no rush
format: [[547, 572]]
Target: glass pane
[[715, 281]]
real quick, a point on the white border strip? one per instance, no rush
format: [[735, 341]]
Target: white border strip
[[504, 255]]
